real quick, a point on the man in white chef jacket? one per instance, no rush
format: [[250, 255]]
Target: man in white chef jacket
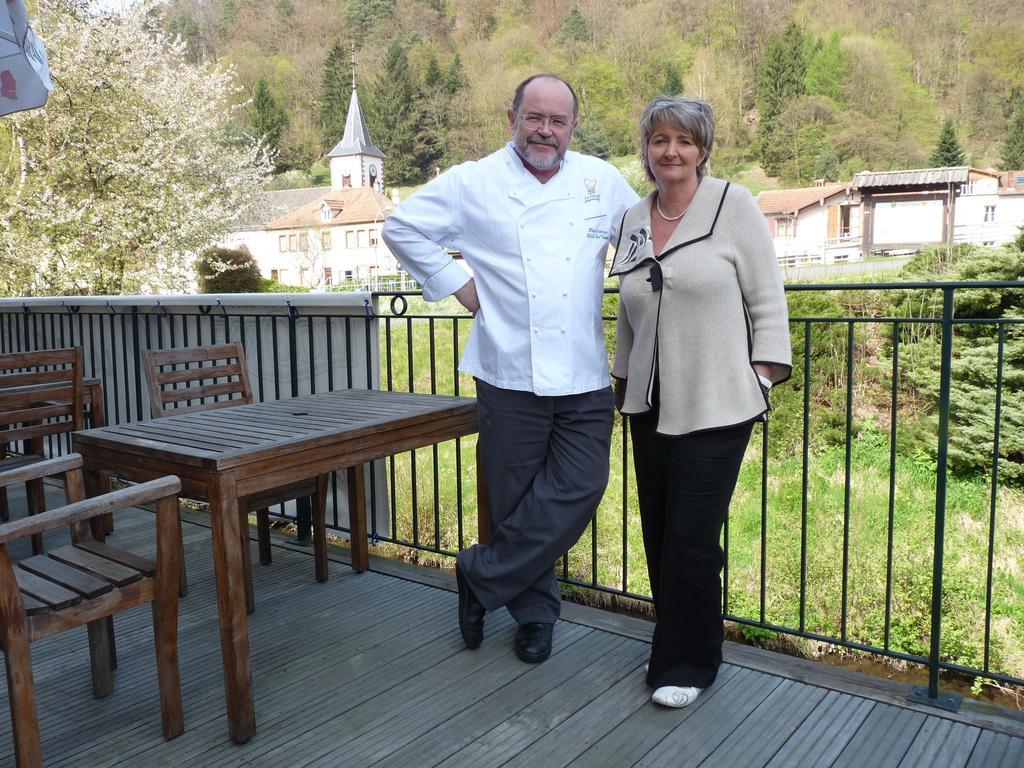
[[533, 222]]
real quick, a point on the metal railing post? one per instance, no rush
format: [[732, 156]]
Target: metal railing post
[[931, 695], [303, 510]]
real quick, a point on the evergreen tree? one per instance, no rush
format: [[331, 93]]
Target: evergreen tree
[[826, 165], [591, 139], [973, 393], [228, 12], [393, 116], [455, 79], [673, 84], [433, 77], [1013, 147], [335, 92], [363, 16], [782, 73], [183, 25], [574, 27], [780, 81], [948, 150], [826, 70], [268, 117]]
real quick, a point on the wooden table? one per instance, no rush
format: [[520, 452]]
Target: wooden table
[[226, 454]]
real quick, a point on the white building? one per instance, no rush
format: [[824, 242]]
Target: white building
[[990, 210], [324, 236], [813, 225], [894, 213]]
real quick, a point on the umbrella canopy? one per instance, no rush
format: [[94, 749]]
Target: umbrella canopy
[[24, 71]]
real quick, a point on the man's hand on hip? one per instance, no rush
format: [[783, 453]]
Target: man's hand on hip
[[466, 296]]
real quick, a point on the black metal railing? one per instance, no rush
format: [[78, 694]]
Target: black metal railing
[[925, 337], [849, 526]]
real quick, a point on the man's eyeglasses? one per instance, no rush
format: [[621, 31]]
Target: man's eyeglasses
[[533, 121]]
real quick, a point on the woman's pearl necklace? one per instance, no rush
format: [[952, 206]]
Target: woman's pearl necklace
[[657, 204]]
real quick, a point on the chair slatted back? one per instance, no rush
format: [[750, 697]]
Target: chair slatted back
[[41, 394], [187, 379]]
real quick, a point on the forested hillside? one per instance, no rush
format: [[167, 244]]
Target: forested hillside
[[811, 89]]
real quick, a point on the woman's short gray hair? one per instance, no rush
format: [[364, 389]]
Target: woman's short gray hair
[[694, 116]]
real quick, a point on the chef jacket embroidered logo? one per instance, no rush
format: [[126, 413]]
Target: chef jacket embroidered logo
[[592, 193]]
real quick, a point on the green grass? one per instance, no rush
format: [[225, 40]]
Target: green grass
[[966, 541]]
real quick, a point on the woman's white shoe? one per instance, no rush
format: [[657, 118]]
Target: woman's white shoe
[[672, 696]]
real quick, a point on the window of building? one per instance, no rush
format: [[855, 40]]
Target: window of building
[[328, 277], [785, 226], [350, 239], [292, 243], [361, 238], [325, 240], [304, 241], [348, 274], [275, 274], [990, 213], [282, 243], [373, 237]]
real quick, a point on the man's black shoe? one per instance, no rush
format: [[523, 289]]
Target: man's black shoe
[[533, 641], [471, 613]]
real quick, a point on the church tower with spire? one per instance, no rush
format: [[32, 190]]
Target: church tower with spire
[[355, 160]]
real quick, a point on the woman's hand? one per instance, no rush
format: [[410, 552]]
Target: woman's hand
[[619, 396]]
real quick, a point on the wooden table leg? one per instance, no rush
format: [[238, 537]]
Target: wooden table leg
[[246, 552], [35, 494], [319, 510], [95, 485], [97, 417], [483, 505], [357, 517], [234, 631]]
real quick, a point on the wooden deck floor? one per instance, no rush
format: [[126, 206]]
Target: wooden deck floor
[[369, 670]]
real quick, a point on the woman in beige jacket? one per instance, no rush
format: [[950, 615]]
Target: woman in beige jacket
[[702, 337]]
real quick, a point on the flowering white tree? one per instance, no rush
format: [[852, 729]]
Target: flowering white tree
[[130, 170]]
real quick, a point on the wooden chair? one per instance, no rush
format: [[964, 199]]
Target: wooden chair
[[41, 396], [86, 582], [188, 379]]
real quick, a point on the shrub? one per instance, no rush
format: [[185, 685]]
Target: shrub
[[228, 270]]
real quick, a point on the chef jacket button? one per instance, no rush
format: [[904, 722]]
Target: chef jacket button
[[563, 330], [536, 330], [564, 294], [533, 295]]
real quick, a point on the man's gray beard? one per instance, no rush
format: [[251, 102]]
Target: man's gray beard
[[539, 164]]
